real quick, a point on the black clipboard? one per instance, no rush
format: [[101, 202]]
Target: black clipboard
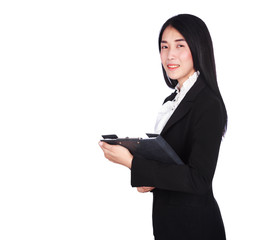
[[153, 148]]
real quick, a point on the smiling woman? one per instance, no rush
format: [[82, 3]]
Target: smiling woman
[[192, 120]]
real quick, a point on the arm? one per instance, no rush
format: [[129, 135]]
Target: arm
[[197, 175], [121, 155]]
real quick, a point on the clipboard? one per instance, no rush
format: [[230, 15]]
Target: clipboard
[[152, 148]]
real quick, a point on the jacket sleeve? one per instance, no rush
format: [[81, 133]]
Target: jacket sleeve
[[197, 175]]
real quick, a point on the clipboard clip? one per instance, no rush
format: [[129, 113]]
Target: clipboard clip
[[110, 136], [152, 135]]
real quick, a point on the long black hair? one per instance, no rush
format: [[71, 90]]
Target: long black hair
[[198, 38]]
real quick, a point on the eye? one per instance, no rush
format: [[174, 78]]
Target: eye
[[163, 47], [180, 46]]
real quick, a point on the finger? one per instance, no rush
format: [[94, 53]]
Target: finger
[[143, 189], [106, 148], [104, 145], [140, 189], [146, 189], [108, 154]]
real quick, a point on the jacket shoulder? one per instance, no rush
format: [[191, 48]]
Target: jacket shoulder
[[206, 99], [208, 109]]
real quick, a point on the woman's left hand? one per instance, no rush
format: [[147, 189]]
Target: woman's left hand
[[145, 189], [117, 154]]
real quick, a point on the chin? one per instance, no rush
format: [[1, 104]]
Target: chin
[[173, 76]]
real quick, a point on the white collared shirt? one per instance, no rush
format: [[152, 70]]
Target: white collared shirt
[[169, 107]]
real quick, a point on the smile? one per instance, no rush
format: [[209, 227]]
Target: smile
[[173, 66]]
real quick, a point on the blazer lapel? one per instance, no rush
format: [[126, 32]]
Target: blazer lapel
[[185, 104]]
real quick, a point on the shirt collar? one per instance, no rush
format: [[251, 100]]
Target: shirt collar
[[188, 83]]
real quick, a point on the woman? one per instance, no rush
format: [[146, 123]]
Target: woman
[[193, 121]]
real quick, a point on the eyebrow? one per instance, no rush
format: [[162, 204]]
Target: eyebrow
[[177, 40], [180, 40]]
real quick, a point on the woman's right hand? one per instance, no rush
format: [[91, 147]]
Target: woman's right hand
[[145, 189]]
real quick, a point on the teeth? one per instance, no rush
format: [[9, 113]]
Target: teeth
[[173, 66]]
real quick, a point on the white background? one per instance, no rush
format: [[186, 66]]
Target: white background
[[73, 70]]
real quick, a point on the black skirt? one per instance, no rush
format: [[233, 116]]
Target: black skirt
[[184, 216]]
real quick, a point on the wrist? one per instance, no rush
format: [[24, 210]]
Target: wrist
[[129, 162]]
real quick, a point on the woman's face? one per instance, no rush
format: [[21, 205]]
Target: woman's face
[[176, 56]]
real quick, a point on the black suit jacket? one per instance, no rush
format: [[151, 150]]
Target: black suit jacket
[[195, 132]]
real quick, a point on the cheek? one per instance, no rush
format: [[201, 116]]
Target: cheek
[[187, 57], [162, 58]]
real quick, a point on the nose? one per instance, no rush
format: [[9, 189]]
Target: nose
[[171, 54]]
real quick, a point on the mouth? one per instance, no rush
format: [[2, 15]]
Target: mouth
[[173, 66]]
